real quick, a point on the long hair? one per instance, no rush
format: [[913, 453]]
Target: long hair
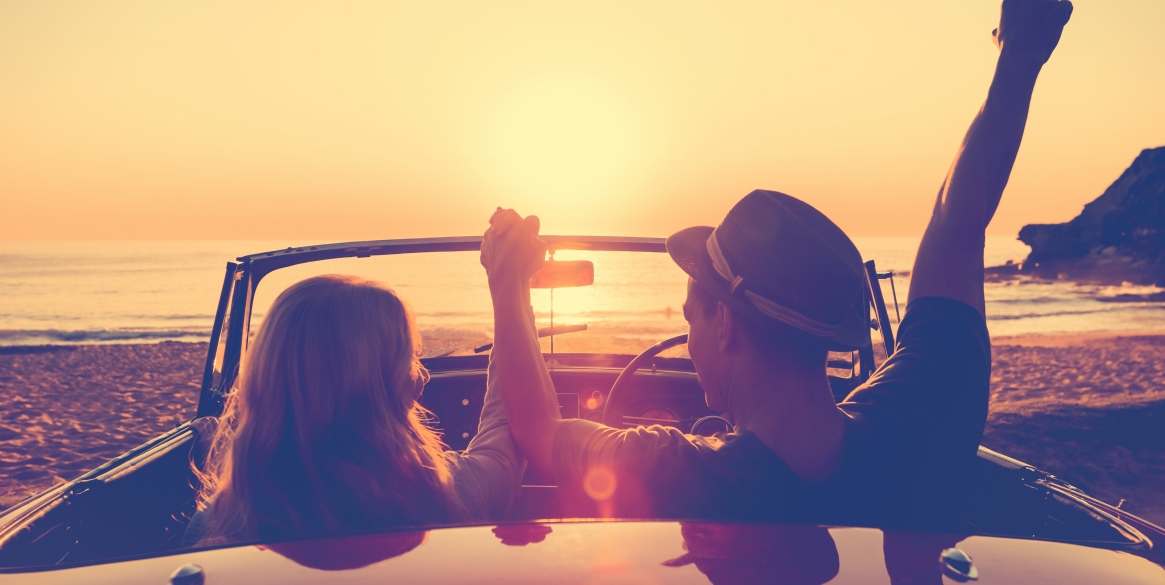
[[323, 434]]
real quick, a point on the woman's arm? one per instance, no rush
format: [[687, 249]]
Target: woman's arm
[[488, 474]]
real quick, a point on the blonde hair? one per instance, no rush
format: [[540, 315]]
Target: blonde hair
[[324, 434]]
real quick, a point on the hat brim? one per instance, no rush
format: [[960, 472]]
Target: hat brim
[[689, 249]]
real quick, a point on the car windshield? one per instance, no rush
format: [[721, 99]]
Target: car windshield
[[635, 301]]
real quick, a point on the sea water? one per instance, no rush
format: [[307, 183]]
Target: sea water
[[140, 292]]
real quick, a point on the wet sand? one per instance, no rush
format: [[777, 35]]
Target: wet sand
[[1088, 408]]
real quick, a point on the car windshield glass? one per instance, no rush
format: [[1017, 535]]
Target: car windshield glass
[[636, 299]]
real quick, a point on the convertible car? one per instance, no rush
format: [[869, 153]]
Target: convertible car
[[615, 350]]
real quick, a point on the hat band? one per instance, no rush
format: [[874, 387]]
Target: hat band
[[762, 304]]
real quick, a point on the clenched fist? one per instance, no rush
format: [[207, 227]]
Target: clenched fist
[[1030, 29]]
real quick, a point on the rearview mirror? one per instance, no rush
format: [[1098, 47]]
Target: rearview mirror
[[564, 273]]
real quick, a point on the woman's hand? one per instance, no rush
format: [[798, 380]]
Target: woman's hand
[[511, 251]]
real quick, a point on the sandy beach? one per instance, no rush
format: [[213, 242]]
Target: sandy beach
[[1089, 408], [68, 409], [1086, 407]]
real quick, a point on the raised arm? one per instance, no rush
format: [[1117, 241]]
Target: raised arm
[[511, 253], [950, 260]]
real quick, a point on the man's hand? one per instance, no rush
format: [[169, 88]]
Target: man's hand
[[511, 251], [1030, 29]]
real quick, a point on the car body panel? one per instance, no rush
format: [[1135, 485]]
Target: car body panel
[[630, 552]]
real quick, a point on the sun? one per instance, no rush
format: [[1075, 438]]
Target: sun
[[561, 141]]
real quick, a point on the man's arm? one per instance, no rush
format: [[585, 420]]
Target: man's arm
[[511, 253], [950, 259]]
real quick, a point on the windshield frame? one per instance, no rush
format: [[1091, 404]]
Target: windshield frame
[[264, 263]]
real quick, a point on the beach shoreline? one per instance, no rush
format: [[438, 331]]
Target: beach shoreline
[[1072, 338], [1083, 406]]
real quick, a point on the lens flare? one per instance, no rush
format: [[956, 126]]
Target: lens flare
[[600, 484]]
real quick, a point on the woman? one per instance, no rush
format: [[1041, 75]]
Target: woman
[[324, 434]]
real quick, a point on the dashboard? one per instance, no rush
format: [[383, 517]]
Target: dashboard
[[668, 397]]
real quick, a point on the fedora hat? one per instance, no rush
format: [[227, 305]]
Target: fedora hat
[[776, 257]]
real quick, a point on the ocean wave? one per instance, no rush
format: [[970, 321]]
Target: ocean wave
[[1030, 300], [441, 314], [1037, 315], [34, 336], [128, 318], [184, 317]]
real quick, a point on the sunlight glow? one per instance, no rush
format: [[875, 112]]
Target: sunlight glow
[[368, 120], [562, 140]]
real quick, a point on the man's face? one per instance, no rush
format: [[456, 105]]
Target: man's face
[[704, 344]]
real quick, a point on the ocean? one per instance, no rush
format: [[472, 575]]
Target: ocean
[[145, 292]]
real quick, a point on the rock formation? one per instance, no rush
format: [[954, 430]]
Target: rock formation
[[1119, 237]]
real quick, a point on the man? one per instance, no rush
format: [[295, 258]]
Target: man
[[771, 291]]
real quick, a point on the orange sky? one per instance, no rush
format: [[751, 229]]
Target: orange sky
[[358, 120]]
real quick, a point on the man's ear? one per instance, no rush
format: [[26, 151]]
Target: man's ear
[[726, 328]]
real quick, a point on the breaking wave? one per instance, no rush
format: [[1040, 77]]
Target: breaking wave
[[1036, 315], [33, 336]]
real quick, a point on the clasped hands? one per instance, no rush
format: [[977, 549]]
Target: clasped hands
[[511, 250]]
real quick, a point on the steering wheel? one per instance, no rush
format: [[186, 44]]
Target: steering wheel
[[612, 417]]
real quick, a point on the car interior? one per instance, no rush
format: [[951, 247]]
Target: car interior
[[139, 503]]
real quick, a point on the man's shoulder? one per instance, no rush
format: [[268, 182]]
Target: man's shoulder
[[939, 374], [935, 319], [929, 399], [938, 337]]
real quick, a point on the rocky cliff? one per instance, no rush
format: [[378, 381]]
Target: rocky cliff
[[1118, 237]]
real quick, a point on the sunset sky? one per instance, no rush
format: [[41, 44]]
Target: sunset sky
[[361, 120]]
